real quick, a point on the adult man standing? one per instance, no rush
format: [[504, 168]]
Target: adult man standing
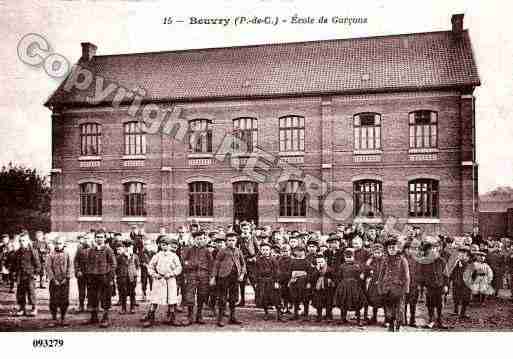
[[250, 249]]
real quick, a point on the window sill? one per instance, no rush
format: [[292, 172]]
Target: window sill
[[200, 155], [423, 150], [90, 158], [423, 220], [200, 219], [368, 152], [291, 219], [291, 154], [242, 154], [89, 219], [134, 157], [373, 220], [133, 219]]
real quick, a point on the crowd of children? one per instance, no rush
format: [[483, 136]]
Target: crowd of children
[[353, 269]]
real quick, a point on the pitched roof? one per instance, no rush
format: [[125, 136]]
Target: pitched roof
[[397, 62]]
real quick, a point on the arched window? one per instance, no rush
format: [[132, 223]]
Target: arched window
[[245, 130], [201, 199], [367, 198], [135, 138], [200, 136], [90, 139], [90, 199], [367, 131], [134, 199], [292, 133], [423, 198], [293, 199], [423, 129]]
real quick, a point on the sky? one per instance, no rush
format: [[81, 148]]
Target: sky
[[129, 26]]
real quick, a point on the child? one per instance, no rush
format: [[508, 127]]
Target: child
[[299, 282], [323, 288], [433, 277], [58, 269], [374, 265], [147, 255], [361, 256], [349, 295], [41, 247], [412, 298], [334, 256], [80, 264], [164, 267], [482, 277], [229, 269], [27, 266], [197, 266], [101, 266], [126, 275], [461, 278], [395, 283], [268, 282], [284, 274]]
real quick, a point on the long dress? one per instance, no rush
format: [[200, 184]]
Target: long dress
[[349, 294], [374, 297], [300, 271], [267, 277], [164, 291], [482, 277], [323, 288]]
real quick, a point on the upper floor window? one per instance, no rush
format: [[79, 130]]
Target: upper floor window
[[134, 199], [201, 199], [200, 136], [292, 199], [423, 129], [90, 139], [367, 198], [367, 131], [423, 198], [245, 129], [135, 138], [90, 199], [292, 133]]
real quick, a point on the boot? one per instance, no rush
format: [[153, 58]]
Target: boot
[[105, 323], [296, 313], [220, 316], [279, 315], [94, 317], [171, 319], [33, 312], [149, 320], [266, 314], [242, 302], [318, 318], [190, 314], [199, 314], [81, 308], [391, 325], [233, 320]]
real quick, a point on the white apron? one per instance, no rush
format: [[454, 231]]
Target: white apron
[[164, 291]]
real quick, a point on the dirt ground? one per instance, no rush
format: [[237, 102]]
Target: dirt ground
[[495, 315]]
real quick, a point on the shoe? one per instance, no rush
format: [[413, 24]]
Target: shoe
[[266, 316], [149, 320], [93, 319], [54, 323], [318, 319], [372, 321], [105, 320], [200, 321], [440, 325], [20, 313], [63, 323], [80, 309], [430, 325], [413, 325], [305, 319], [122, 312], [464, 317], [234, 321], [132, 311], [32, 313]]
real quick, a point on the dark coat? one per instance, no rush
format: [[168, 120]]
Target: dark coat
[[334, 259], [323, 288], [101, 262], [27, 263], [460, 289], [226, 259], [197, 261], [395, 276], [80, 261], [267, 275]]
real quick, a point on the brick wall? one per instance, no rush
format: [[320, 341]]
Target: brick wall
[[328, 157]]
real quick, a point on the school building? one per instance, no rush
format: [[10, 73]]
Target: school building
[[386, 122]]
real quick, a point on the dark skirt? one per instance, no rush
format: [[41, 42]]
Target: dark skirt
[[323, 298], [268, 295], [350, 295], [374, 298], [298, 291]]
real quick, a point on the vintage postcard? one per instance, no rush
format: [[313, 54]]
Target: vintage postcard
[[276, 166]]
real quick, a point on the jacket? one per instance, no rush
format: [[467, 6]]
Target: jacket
[[127, 267], [58, 266], [27, 262], [395, 276], [197, 260], [80, 261], [225, 260], [101, 261]]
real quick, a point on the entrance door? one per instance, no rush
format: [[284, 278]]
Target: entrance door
[[245, 201]]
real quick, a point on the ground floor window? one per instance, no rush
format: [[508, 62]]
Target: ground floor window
[[423, 198], [135, 199], [292, 199], [367, 198], [201, 199], [90, 199]]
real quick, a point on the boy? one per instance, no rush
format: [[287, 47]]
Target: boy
[[461, 292], [80, 264], [323, 283], [42, 250], [268, 282], [145, 259], [27, 266], [249, 246], [101, 267], [229, 269], [284, 276], [395, 284], [127, 269], [412, 298], [58, 269], [197, 266]]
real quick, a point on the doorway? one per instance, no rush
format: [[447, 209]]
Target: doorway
[[245, 201]]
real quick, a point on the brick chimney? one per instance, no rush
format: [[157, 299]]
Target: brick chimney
[[457, 24], [88, 51]]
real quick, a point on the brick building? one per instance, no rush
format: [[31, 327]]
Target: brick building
[[387, 120]]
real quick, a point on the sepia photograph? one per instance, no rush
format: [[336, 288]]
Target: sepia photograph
[[270, 166]]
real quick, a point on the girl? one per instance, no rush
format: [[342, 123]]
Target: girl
[[267, 279], [284, 274], [299, 282], [349, 295], [163, 268], [482, 277], [323, 287]]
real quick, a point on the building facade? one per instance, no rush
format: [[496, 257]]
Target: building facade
[[301, 135]]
